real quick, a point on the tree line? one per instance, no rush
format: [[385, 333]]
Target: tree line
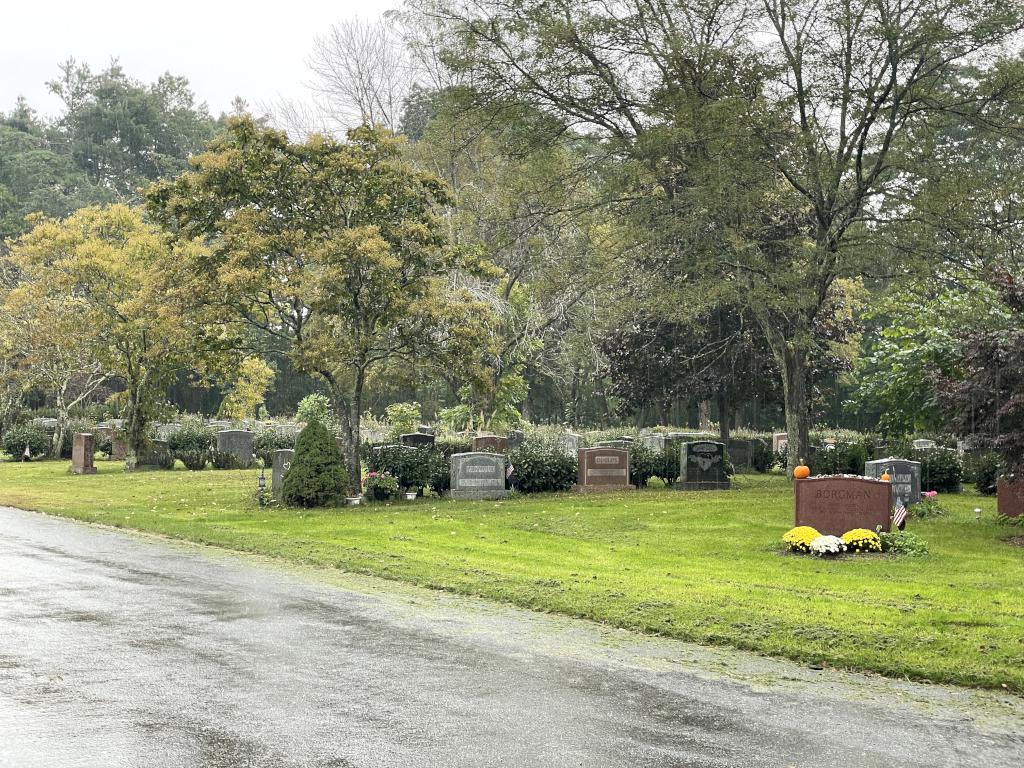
[[653, 210]]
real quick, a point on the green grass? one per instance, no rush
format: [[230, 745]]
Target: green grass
[[706, 567]]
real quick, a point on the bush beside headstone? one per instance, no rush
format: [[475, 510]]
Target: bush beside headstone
[[317, 476]]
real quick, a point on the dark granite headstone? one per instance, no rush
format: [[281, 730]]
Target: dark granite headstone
[[1010, 498], [83, 449], [904, 475], [740, 452], [280, 461], [417, 440], [516, 437], [603, 469], [702, 467], [834, 505], [478, 476], [490, 444], [237, 443]]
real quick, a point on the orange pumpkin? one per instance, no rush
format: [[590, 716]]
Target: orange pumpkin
[[885, 477], [801, 472]]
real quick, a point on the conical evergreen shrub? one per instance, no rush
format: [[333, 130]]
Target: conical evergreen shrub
[[317, 476]]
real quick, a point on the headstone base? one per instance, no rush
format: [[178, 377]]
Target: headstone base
[[602, 488], [1010, 498], [703, 486], [482, 494]]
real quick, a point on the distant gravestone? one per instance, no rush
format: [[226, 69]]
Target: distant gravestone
[[118, 447], [221, 424], [490, 444], [836, 504], [83, 449], [417, 440], [904, 475], [291, 429], [50, 425], [478, 475], [1010, 497], [280, 462], [780, 441], [626, 438], [156, 454], [702, 467], [516, 437], [425, 429], [654, 442], [603, 469], [570, 443], [740, 452], [622, 444], [237, 443], [164, 431], [924, 445]]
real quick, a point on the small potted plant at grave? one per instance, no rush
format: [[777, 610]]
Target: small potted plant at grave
[[381, 486]]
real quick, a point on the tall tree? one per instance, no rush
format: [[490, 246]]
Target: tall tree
[[117, 272], [766, 137], [332, 248]]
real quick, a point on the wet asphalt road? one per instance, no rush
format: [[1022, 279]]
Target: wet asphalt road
[[123, 650]]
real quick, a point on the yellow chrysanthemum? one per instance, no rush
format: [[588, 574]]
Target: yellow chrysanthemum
[[799, 539]]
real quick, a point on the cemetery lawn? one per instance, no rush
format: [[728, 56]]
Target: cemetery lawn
[[706, 567]]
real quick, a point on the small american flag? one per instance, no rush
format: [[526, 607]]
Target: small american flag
[[509, 470], [899, 514]]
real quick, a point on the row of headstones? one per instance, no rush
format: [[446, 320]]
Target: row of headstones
[[780, 441], [236, 442]]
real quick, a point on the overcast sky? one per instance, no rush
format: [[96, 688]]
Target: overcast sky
[[225, 49]]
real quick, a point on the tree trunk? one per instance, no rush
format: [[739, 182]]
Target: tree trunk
[[704, 415], [798, 418], [723, 415], [348, 406], [62, 426]]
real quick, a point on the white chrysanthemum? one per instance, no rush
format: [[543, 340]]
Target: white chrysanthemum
[[828, 545]]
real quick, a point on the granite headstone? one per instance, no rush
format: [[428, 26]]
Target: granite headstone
[[904, 475], [702, 467], [83, 450], [478, 475], [834, 505], [603, 469], [237, 443]]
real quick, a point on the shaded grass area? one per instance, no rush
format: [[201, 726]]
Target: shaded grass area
[[700, 566]]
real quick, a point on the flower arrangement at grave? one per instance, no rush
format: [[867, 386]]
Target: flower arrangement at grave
[[862, 540], [824, 546], [928, 506], [381, 486], [799, 539]]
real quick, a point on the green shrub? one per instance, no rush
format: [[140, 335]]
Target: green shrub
[[315, 407], [403, 418], [415, 468], [666, 464], [17, 437], [193, 444], [941, 470], [761, 456], [267, 440], [317, 476], [844, 459], [644, 464], [224, 460], [982, 469], [903, 543], [542, 466]]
